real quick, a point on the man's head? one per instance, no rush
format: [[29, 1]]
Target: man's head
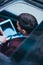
[[26, 23]]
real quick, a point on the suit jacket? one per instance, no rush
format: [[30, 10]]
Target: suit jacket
[[13, 44]]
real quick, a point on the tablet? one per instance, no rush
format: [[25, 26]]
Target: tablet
[[8, 29]]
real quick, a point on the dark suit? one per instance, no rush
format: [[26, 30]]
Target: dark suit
[[13, 44]]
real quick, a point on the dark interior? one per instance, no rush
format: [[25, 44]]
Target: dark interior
[[21, 54]]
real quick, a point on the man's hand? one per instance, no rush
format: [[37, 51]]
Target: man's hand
[[2, 37]]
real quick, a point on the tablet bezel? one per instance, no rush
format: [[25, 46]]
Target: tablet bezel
[[8, 20]]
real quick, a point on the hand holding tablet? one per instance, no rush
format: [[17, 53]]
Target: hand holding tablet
[[2, 37], [8, 28]]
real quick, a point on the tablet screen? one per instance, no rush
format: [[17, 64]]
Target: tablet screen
[[8, 28]]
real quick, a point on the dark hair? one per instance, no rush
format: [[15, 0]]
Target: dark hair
[[27, 22]]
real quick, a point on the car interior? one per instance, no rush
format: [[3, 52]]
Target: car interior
[[22, 54]]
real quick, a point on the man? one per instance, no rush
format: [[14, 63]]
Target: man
[[25, 24]]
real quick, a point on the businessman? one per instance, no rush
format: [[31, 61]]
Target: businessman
[[25, 24]]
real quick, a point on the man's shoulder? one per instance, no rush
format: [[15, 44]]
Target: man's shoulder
[[16, 42]]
